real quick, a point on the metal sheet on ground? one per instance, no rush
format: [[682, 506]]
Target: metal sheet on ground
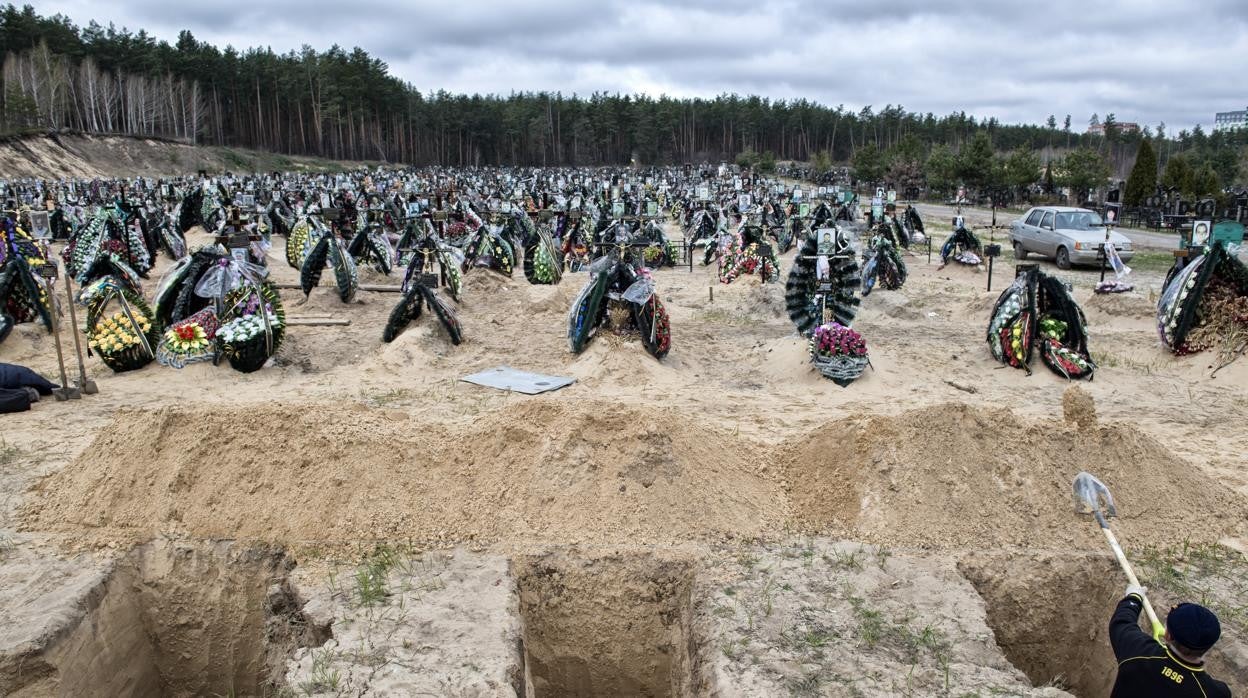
[[507, 378]]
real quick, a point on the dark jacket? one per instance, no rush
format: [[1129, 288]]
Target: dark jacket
[[1147, 669], [13, 376]]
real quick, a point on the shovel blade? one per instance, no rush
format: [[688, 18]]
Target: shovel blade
[[1092, 496]]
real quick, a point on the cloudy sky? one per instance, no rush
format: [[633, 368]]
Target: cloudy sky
[[1176, 61]]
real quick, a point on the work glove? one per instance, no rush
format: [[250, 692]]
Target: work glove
[[1136, 591]]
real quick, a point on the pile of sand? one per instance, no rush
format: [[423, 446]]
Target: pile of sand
[[955, 475], [547, 470], [538, 471]]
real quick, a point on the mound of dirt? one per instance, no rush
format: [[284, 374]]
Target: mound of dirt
[[1126, 305], [955, 475], [541, 470]]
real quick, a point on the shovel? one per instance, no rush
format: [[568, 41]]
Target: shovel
[[49, 273], [1091, 496], [85, 384]]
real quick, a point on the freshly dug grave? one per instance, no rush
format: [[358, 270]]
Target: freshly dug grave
[[617, 625], [176, 619], [1050, 611], [412, 624], [538, 470], [957, 476], [832, 618], [1050, 614]]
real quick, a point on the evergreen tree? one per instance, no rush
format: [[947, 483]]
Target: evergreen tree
[[1178, 175], [1084, 171], [1142, 181]]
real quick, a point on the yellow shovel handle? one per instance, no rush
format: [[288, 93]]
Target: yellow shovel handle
[[1158, 629]]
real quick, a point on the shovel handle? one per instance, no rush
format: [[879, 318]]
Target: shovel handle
[[1158, 628]]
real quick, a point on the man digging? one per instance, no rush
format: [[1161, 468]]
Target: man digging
[[1148, 668]]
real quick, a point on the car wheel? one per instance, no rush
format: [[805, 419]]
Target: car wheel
[[1019, 251], [1063, 258]]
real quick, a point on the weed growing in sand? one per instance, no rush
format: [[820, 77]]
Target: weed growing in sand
[[747, 560], [734, 648], [1207, 573], [388, 397], [849, 560], [1106, 360], [370, 585], [324, 676], [870, 622], [384, 566], [806, 686], [9, 453], [881, 557], [370, 576]]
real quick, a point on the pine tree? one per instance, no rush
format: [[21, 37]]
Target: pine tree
[[1142, 181]]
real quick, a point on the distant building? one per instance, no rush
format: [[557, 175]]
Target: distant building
[[1122, 126], [1229, 120]]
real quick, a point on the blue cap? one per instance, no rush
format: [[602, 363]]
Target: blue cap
[[1193, 626]]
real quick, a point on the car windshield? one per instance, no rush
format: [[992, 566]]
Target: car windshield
[[1078, 220]]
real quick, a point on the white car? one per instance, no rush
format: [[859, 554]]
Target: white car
[[1069, 235]]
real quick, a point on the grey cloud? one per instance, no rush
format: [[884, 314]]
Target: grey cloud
[[1144, 60]]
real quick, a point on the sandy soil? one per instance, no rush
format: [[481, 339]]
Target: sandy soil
[[84, 156], [346, 440]]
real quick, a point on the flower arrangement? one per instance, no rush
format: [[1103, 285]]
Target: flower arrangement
[[662, 328], [189, 341], [115, 335], [835, 339], [1114, 286], [736, 263], [188, 338], [543, 265], [1222, 323], [122, 344], [838, 352], [246, 327], [242, 338]]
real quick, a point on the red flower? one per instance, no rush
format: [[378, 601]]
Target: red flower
[[185, 332]]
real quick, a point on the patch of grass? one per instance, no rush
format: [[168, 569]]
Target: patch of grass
[[870, 622], [896, 634], [9, 453], [747, 560], [235, 161], [370, 576], [881, 557], [1111, 360], [1209, 574], [851, 560], [383, 398], [1148, 260], [324, 677]]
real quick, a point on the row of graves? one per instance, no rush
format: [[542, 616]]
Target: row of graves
[[606, 229], [1169, 209]]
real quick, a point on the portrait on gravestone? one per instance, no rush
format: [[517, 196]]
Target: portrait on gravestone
[[1200, 233], [827, 241], [39, 227]]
